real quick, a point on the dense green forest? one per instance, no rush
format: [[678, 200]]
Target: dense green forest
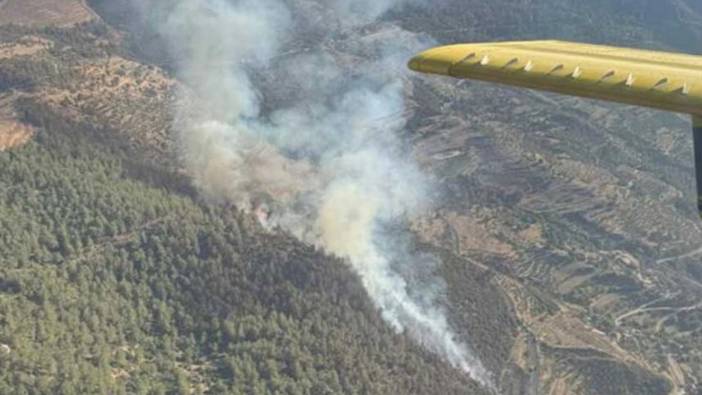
[[111, 285]]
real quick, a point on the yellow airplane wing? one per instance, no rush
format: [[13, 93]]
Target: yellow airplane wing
[[662, 80]]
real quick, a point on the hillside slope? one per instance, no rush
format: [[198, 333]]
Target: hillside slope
[[110, 285], [590, 206], [566, 229]]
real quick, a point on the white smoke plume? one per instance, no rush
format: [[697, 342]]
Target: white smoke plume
[[328, 156]]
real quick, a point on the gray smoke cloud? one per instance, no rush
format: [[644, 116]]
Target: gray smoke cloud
[[327, 159]]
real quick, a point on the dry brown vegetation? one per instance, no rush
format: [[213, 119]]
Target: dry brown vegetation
[[73, 74], [26, 46], [44, 12], [13, 133], [120, 95]]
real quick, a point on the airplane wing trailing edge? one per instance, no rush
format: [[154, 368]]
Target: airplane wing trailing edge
[[662, 80]]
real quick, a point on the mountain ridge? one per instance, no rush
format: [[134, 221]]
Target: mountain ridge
[[570, 218]]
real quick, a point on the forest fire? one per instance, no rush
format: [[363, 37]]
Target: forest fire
[[262, 212]]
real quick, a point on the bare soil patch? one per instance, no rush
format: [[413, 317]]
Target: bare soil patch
[[14, 134]]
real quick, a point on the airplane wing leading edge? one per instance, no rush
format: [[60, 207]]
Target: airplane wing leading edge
[[661, 80]]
